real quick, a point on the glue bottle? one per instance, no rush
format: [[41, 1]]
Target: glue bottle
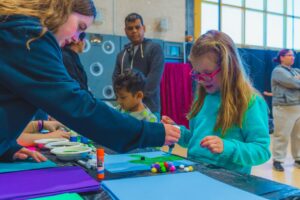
[[100, 164]]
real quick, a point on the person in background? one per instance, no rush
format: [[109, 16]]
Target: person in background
[[144, 55], [72, 61], [129, 89], [268, 94], [33, 131], [285, 83], [271, 124], [228, 118], [33, 76]]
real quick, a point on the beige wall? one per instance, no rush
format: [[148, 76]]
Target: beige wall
[[113, 12]]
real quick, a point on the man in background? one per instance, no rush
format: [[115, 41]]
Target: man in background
[[145, 56]]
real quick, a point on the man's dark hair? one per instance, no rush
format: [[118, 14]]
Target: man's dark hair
[[132, 17], [131, 80]]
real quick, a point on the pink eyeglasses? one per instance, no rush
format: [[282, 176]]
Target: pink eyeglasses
[[204, 76]]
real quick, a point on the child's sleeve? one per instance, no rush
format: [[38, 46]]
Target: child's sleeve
[[152, 118], [255, 149], [8, 155], [186, 134]]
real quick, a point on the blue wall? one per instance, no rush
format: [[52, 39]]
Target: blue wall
[[100, 55]]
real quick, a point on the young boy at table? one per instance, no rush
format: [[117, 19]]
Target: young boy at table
[[129, 89]]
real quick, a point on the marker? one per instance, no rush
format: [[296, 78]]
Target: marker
[[84, 140], [171, 146]]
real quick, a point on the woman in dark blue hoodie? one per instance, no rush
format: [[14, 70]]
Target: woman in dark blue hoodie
[[32, 76]]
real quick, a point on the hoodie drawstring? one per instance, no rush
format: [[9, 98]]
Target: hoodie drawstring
[[131, 64], [122, 62]]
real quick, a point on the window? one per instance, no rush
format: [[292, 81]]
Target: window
[[275, 6], [255, 4], [232, 2], [289, 34], [254, 28], [209, 17], [296, 33], [293, 7], [265, 23], [290, 10], [232, 17], [216, 1], [296, 8], [274, 31]]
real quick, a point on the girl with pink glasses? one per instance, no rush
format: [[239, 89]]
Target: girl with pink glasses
[[229, 118]]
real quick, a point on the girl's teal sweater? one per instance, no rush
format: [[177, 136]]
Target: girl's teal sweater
[[243, 147]]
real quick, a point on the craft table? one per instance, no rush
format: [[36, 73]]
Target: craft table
[[256, 185]]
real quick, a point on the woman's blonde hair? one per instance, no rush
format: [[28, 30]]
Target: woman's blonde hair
[[52, 13], [236, 90]]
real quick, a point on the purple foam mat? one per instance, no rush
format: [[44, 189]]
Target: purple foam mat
[[42, 182]]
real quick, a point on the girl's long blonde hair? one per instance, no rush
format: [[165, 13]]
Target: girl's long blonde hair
[[236, 90], [51, 13]]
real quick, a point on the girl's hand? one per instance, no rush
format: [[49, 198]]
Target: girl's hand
[[172, 134], [166, 120], [213, 143], [25, 153]]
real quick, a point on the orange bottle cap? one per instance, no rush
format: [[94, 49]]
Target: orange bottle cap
[[100, 151], [100, 176]]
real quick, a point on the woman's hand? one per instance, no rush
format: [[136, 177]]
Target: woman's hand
[[53, 126], [213, 143], [167, 120], [59, 134], [172, 134], [25, 153]]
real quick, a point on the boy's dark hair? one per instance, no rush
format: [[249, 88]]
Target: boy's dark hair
[[132, 17], [131, 80]]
